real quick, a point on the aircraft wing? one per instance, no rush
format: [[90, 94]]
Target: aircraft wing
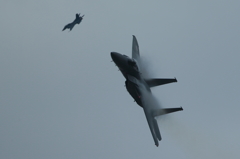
[[148, 111], [153, 126], [135, 49]]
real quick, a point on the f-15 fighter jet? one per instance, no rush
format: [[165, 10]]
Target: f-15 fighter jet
[[77, 20], [139, 88]]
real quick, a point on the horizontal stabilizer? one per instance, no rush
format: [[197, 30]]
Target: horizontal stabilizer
[[160, 81], [166, 111]]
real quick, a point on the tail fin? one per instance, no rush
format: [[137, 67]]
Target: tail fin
[[135, 48], [160, 81], [166, 111]]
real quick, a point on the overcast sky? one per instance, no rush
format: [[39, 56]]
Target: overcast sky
[[62, 97]]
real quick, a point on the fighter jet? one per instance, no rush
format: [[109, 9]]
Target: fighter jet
[[139, 87], [77, 20]]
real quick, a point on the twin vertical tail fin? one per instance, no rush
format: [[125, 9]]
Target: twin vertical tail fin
[[166, 111], [154, 128], [159, 81]]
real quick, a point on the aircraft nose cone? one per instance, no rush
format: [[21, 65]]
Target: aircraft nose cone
[[115, 56]]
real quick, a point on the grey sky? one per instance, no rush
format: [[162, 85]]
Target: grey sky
[[61, 97]]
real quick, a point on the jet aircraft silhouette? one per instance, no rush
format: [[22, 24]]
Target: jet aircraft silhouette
[[138, 87], [77, 20]]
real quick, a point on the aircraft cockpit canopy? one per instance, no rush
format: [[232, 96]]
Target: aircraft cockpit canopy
[[133, 64]]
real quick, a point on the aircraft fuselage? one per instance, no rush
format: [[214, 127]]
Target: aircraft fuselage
[[130, 71]]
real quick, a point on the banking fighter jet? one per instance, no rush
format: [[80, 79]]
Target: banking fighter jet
[[77, 20], [139, 87]]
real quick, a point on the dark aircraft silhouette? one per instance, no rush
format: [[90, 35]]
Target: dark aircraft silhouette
[[77, 20], [139, 88]]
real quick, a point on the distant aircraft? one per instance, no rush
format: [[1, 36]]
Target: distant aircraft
[[77, 20], [138, 87]]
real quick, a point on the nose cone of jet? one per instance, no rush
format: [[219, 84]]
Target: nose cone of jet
[[119, 59], [116, 57]]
